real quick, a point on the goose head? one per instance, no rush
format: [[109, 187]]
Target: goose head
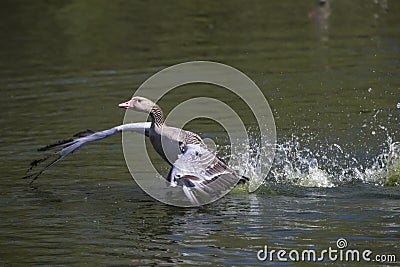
[[138, 103]]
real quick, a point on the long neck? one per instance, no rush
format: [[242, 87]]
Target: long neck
[[157, 116]]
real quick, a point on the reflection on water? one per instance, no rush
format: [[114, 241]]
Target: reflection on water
[[330, 73]]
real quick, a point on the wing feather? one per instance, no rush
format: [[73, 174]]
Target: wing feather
[[68, 146], [200, 172]]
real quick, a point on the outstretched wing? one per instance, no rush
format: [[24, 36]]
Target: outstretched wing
[[80, 139], [201, 174]]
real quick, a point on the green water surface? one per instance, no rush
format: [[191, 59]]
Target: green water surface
[[331, 75]]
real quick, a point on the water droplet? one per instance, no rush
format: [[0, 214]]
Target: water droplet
[[369, 90]]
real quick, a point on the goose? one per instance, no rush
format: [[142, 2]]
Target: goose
[[193, 166]]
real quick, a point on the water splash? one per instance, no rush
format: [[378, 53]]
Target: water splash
[[386, 168], [367, 154], [296, 165], [327, 165]]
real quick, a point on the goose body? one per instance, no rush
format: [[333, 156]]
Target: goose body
[[194, 166]]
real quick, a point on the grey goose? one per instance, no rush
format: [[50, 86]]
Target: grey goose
[[193, 165]]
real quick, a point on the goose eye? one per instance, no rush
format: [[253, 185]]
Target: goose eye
[[197, 154], [139, 100]]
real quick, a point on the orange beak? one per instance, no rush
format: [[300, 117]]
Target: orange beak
[[126, 105]]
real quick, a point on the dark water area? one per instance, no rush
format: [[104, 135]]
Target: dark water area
[[331, 75]]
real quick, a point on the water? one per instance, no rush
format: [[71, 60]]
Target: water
[[331, 76]]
